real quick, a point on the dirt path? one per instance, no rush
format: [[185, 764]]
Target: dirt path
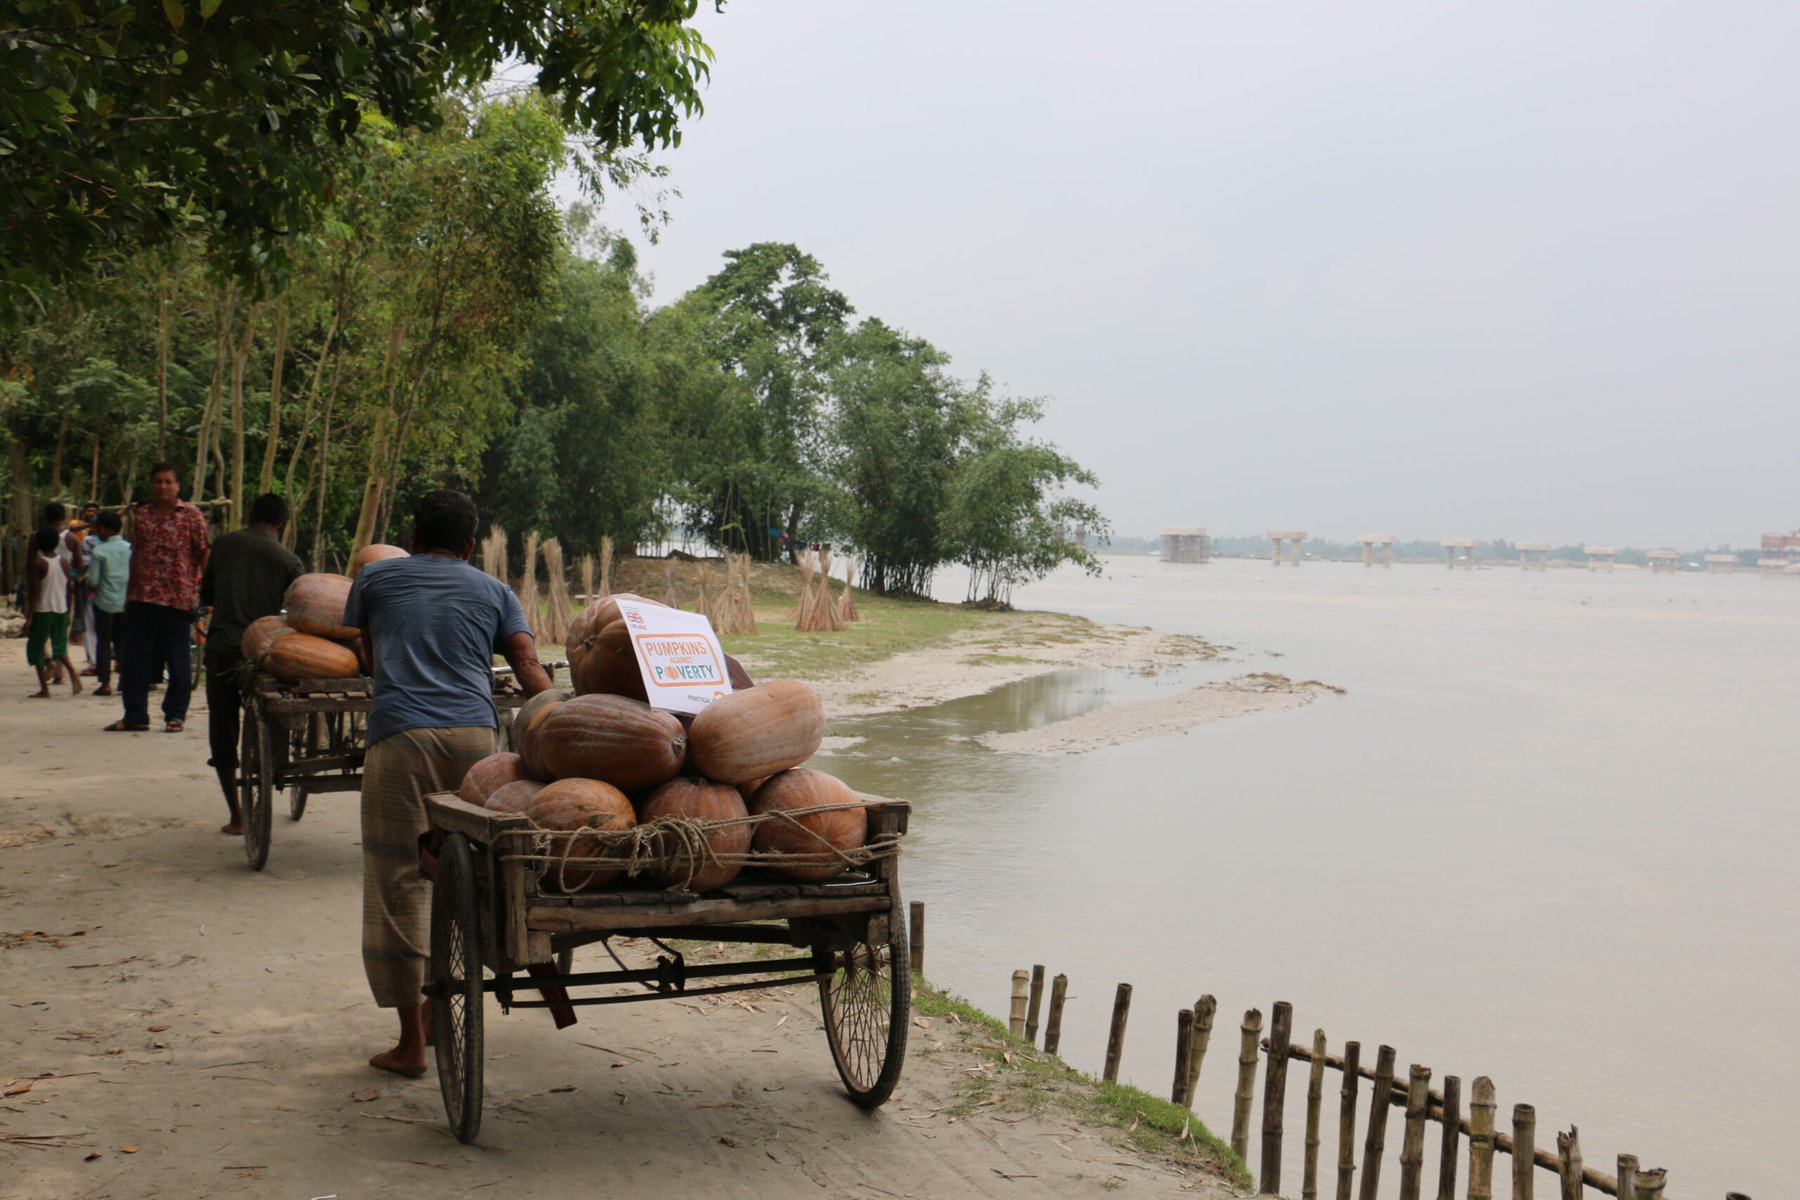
[[177, 1025]]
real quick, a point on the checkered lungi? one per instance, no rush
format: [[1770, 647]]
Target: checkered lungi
[[398, 772]]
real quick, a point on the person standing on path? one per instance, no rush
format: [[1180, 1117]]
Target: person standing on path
[[245, 578], [83, 607], [108, 573], [169, 547], [431, 625], [47, 613], [68, 549]]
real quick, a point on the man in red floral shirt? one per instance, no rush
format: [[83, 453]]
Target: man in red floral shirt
[[169, 549]]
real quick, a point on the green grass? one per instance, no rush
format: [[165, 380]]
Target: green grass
[[1023, 1078]]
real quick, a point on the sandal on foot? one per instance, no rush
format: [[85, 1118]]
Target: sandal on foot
[[172, 726], [121, 727]]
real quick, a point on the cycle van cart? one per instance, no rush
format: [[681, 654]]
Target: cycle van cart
[[490, 919], [307, 737]]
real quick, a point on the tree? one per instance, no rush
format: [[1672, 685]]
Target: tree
[[1004, 517], [757, 446], [899, 422], [127, 125]]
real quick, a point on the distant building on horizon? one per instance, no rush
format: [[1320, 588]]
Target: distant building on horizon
[[1784, 546]]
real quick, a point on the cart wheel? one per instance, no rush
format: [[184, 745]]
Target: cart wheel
[[296, 802], [456, 996], [867, 1002], [256, 763]]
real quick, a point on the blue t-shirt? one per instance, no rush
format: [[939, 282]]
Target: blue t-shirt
[[436, 623]]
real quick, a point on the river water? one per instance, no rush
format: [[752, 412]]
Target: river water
[[1548, 835]]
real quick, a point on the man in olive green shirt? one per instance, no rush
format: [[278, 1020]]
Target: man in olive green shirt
[[245, 578]]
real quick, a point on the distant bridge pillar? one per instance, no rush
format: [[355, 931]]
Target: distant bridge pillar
[[1599, 558], [1527, 550], [1452, 545], [1664, 560], [1721, 564], [1293, 537], [1377, 548]]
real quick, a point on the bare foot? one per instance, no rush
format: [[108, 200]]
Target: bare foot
[[74, 684], [233, 828], [390, 1060], [43, 695]]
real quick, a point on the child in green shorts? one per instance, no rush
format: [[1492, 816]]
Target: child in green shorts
[[47, 608]]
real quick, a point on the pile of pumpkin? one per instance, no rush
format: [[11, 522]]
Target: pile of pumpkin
[[597, 762], [311, 641]]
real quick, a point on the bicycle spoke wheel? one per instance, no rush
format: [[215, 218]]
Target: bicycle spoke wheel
[[456, 996], [255, 791], [867, 1004]]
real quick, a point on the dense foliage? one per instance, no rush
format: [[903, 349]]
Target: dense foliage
[[128, 125]]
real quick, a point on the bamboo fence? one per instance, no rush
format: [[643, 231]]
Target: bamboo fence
[[1462, 1146]]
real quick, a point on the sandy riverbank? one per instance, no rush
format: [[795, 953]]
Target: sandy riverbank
[[179, 1025]]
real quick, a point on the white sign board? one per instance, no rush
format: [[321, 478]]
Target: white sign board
[[679, 655]]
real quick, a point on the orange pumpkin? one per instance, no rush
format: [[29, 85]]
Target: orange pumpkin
[[303, 656], [586, 628], [487, 774], [374, 553], [525, 725], [315, 605], [572, 806], [622, 741], [515, 797], [768, 728], [679, 864], [813, 839], [257, 636]]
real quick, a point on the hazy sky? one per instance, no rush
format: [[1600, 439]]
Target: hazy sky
[[1447, 269]]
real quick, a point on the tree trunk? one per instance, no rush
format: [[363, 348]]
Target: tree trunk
[[376, 485], [62, 437], [273, 432], [215, 392], [162, 366], [240, 358]]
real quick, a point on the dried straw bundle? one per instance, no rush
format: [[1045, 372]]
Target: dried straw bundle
[[528, 586], [493, 553], [606, 557], [559, 605], [587, 579]]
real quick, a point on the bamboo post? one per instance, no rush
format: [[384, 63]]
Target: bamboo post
[[1016, 1018], [1347, 1119], [1036, 1003], [1059, 991], [1650, 1183], [1447, 1148], [916, 943], [1281, 1036], [1412, 1145], [1204, 1009], [1524, 1151], [1315, 1094], [1380, 1100], [1627, 1178], [1568, 1162], [1481, 1140], [1184, 1049], [1246, 1083], [1115, 1037]]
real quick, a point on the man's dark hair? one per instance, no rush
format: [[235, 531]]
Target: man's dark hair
[[45, 540], [109, 521], [93, 504], [158, 468], [445, 521], [269, 509], [54, 512]]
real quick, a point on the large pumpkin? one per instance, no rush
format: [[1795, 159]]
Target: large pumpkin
[[515, 797], [572, 806], [258, 635], [374, 553], [622, 741], [607, 663], [715, 858], [585, 629], [303, 656], [769, 728], [814, 840], [490, 773], [525, 725], [315, 605]]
